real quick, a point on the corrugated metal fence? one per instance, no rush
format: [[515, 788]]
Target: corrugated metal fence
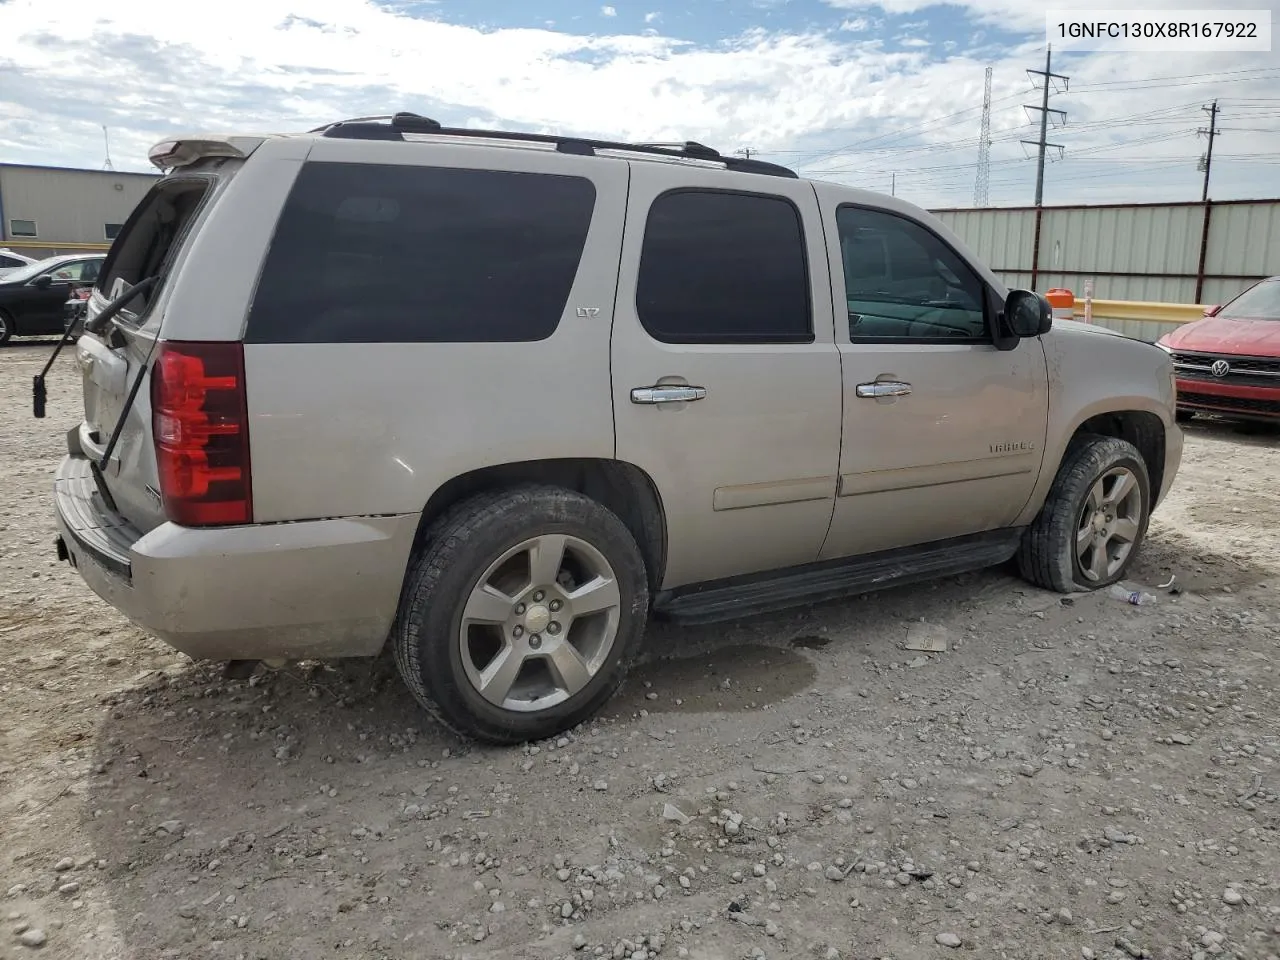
[[1167, 252]]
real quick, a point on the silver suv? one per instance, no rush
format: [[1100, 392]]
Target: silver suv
[[494, 398]]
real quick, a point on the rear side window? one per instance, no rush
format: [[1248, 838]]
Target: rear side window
[[387, 253], [148, 241], [720, 267]]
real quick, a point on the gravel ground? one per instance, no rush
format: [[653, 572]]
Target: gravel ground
[[1072, 778]]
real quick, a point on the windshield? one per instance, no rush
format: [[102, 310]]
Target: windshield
[[23, 274], [1257, 303]]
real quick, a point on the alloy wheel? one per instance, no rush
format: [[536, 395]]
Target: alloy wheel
[[539, 623], [1109, 524]]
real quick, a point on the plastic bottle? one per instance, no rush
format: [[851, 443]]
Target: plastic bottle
[[1136, 597]]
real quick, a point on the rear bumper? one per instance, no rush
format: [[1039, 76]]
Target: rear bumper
[[1229, 399], [320, 588]]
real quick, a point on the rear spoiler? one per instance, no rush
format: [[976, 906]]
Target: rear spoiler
[[184, 151]]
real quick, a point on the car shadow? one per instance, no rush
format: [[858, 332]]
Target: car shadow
[[1257, 433]]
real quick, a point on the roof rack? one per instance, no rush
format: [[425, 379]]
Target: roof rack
[[395, 126]]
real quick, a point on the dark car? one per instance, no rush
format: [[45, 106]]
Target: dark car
[[33, 298]]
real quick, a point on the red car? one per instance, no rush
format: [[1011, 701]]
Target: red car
[[1228, 363]]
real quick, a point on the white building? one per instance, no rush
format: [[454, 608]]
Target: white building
[[48, 210]]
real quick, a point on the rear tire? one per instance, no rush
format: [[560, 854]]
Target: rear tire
[[6, 328], [1093, 521], [522, 614]]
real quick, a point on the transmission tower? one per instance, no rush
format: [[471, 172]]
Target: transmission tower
[[981, 189], [1045, 112], [106, 139]]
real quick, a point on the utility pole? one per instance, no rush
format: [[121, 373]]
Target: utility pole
[[893, 184], [1042, 145], [1206, 161], [981, 189], [746, 152]]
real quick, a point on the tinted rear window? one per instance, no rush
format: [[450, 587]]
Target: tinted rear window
[[151, 237], [393, 254], [723, 267]]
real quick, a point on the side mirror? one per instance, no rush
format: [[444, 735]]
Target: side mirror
[[1212, 311], [1027, 313], [43, 282]]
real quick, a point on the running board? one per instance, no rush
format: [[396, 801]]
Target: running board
[[756, 593]]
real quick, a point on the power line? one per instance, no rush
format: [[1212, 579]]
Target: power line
[[1140, 85], [891, 141], [894, 135], [1223, 75], [1083, 154], [950, 174], [981, 189]]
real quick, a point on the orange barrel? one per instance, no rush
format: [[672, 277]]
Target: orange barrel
[[1063, 303]]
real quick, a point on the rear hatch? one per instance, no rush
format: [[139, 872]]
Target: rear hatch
[[151, 244]]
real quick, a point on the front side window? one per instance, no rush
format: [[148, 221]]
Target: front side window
[[903, 283], [77, 271], [23, 228], [390, 253], [111, 230], [720, 267]]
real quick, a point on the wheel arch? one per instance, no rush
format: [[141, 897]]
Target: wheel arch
[[1140, 423], [622, 487], [1143, 429]]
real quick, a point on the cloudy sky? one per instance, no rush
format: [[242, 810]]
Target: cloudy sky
[[846, 90]]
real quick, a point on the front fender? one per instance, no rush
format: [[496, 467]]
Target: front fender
[[1092, 372]]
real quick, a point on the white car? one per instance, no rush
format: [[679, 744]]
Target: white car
[[11, 260]]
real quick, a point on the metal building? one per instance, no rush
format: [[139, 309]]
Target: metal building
[[1168, 252], [49, 210]]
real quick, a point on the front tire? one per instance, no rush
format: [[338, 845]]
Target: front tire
[[1093, 520], [522, 614], [6, 328]]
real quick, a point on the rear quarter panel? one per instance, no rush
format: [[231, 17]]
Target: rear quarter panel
[[212, 285], [355, 429]]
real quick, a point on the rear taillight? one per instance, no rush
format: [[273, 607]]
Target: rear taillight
[[200, 424]]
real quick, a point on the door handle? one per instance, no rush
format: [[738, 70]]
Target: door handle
[[882, 388], [667, 394]]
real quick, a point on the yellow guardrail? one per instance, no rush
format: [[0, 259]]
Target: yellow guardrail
[[1148, 310], [38, 245]]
